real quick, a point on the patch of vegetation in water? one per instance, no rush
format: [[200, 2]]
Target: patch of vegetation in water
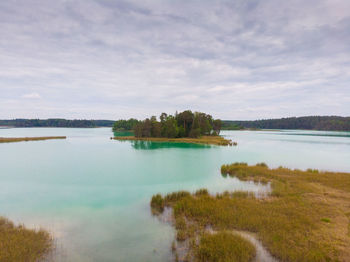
[[20, 139], [290, 222], [18, 243]]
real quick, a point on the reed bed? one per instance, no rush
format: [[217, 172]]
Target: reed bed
[[18, 243], [224, 247]]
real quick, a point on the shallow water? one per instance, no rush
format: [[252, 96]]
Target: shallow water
[[93, 193]]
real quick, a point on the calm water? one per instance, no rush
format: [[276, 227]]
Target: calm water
[[93, 193]]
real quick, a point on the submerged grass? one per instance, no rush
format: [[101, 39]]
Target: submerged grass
[[306, 217], [20, 139], [210, 140], [18, 243]]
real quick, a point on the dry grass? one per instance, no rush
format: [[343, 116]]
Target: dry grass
[[20, 139], [19, 244], [209, 140], [306, 218]]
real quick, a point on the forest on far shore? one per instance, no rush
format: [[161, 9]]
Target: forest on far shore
[[326, 123], [56, 122]]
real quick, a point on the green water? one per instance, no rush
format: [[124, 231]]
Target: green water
[[93, 193]]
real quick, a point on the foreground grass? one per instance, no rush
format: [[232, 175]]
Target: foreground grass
[[306, 217], [210, 140], [18, 243], [223, 247], [20, 139]]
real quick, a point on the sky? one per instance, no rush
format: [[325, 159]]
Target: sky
[[237, 59]]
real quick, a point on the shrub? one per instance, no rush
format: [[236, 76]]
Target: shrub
[[157, 204], [262, 164], [201, 192]]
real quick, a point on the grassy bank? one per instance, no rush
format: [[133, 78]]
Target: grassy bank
[[306, 217], [210, 140], [20, 139], [18, 243]]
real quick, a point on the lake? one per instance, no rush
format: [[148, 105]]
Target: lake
[[93, 193]]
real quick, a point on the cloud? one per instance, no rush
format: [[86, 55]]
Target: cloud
[[113, 59], [31, 96]]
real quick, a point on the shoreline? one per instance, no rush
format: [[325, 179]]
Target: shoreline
[[207, 140]]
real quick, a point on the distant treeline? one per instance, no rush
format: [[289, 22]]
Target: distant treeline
[[327, 123], [56, 122], [184, 124]]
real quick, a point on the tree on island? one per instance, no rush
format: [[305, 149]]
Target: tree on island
[[125, 125], [184, 124]]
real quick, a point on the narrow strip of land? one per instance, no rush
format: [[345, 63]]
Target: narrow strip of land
[[20, 139]]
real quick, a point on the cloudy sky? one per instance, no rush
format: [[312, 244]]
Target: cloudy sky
[[237, 59]]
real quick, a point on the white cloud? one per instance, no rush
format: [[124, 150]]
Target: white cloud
[[31, 96]]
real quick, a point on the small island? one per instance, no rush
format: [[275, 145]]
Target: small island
[[184, 127], [20, 139]]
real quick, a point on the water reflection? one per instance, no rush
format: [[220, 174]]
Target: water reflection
[[150, 145], [123, 133], [258, 188]]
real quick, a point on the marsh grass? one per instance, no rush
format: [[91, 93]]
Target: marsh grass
[[157, 204], [209, 140], [18, 243], [348, 215], [224, 247], [20, 139], [306, 217], [326, 220]]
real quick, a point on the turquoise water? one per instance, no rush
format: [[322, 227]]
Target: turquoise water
[[93, 193]]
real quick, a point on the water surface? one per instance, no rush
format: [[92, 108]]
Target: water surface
[[93, 193]]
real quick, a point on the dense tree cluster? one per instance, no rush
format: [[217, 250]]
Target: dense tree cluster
[[125, 125], [184, 124], [327, 123]]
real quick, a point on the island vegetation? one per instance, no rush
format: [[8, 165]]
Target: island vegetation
[[184, 127], [306, 217], [326, 123], [125, 125], [17, 243], [20, 139], [184, 124]]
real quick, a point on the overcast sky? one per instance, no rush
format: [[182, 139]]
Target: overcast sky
[[236, 59]]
